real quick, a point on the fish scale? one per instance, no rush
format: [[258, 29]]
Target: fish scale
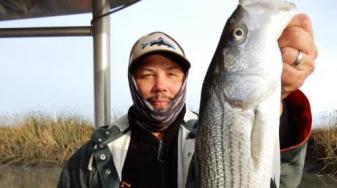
[[237, 144]]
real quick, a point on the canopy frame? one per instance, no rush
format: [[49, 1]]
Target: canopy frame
[[100, 31]]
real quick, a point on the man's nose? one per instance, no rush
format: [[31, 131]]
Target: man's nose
[[160, 84]]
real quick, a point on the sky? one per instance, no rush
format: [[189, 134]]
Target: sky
[[55, 75]]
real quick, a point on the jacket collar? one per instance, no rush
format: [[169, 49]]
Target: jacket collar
[[109, 133]]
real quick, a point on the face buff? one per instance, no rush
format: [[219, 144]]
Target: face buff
[[148, 117]]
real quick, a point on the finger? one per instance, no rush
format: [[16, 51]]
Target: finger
[[289, 55], [299, 39], [306, 65], [291, 78], [303, 21]]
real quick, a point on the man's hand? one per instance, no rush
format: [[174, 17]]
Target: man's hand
[[298, 35]]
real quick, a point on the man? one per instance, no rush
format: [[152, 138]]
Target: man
[[152, 145]]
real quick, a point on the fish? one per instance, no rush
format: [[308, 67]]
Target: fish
[[237, 141]]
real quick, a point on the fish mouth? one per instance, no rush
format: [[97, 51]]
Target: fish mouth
[[244, 90], [234, 74], [249, 77]]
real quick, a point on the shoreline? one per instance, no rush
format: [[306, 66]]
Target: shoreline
[[47, 177]]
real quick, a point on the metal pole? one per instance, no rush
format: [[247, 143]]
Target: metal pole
[[101, 36], [46, 31]]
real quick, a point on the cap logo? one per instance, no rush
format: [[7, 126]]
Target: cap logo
[[160, 41]]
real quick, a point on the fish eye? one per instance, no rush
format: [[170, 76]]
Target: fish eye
[[238, 34]]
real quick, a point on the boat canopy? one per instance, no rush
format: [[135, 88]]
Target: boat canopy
[[21, 9]]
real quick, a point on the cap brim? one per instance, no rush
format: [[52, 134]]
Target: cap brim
[[181, 61]]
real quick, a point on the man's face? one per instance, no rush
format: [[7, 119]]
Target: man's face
[[158, 79]]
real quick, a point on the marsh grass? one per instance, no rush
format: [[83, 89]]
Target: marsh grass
[[38, 139], [322, 150]]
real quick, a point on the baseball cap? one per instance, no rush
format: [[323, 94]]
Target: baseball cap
[[158, 42]]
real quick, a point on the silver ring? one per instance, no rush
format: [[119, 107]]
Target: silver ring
[[298, 59]]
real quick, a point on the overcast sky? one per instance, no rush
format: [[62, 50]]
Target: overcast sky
[[56, 74]]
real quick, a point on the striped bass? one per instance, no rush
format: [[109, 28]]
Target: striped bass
[[237, 143]]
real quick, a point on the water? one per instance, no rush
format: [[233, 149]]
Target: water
[[318, 181], [28, 177], [37, 177]]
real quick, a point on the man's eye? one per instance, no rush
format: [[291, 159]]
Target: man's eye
[[173, 75], [147, 75]]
